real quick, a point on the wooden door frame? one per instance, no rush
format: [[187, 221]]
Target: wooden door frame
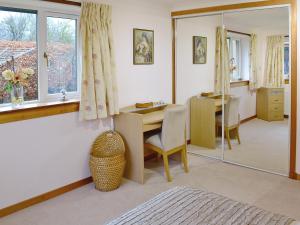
[[293, 63]]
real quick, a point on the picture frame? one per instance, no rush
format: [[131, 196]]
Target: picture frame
[[199, 50], [143, 46]]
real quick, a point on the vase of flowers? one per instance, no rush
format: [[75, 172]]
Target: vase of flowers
[[15, 82]]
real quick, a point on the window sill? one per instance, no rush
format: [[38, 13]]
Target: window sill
[[36, 110], [239, 83]]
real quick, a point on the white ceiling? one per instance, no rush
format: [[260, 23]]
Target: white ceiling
[[271, 19]]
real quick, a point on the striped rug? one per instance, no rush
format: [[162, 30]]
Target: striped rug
[[182, 205]]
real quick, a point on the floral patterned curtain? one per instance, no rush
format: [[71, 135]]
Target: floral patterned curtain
[[222, 62], [99, 94], [253, 85], [274, 64]]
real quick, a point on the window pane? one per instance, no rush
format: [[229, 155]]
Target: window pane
[[235, 59], [61, 52], [286, 61], [18, 49]]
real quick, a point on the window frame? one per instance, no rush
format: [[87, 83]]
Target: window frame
[[45, 95], [239, 56], [42, 11]]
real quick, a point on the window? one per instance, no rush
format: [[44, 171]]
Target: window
[[18, 48], [286, 60], [234, 47], [61, 53], [47, 43]]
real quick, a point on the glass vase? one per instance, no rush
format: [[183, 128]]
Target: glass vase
[[17, 95]]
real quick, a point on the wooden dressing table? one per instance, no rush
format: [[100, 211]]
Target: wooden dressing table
[[132, 123], [203, 119]]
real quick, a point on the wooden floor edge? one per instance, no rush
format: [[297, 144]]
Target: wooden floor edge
[[43, 197], [248, 119]]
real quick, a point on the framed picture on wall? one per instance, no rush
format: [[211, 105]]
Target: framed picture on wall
[[199, 50], [143, 47]]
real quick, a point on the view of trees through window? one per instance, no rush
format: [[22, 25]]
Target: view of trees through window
[[61, 53], [18, 44]]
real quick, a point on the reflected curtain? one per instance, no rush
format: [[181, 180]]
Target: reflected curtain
[[274, 63], [222, 63], [99, 94], [253, 82]]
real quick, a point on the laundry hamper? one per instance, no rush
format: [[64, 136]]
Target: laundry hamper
[[107, 161]]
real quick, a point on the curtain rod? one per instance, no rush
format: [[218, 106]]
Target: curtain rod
[[66, 2], [237, 32]]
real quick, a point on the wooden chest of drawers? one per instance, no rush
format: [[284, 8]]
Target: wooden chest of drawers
[[270, 104]]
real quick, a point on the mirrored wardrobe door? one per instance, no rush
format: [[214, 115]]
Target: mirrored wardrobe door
[[198, 61], [256, 117]]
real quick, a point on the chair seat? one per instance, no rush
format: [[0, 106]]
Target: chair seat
[[155, 140]]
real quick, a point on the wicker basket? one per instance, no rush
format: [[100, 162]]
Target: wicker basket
[[107, 172], [107, 161], [108, 144]]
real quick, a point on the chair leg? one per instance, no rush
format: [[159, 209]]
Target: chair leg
[[227, 134], [184, 159], [166, 165], [238, 135]]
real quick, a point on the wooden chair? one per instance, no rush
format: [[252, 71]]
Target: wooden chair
[[171, 139], [231, 119]]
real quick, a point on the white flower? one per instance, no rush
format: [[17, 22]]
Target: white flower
[[24, 76], [28, 71], [8, 74]]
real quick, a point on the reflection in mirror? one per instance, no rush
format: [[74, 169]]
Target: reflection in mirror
[[258, 44], [199, 45]]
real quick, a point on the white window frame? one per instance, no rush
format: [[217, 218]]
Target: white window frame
[[45, 9], [45, 96], [239, 53]]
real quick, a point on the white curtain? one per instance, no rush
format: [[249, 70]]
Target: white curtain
[[99, 94], [274, 63], [253, 82], [222, 63]]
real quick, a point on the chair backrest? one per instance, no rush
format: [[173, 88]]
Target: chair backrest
[[231, 115], [173, 128]]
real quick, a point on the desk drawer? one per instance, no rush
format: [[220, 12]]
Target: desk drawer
[[154, 126]]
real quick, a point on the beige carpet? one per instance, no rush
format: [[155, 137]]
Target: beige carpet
[[265, 145], [87, 206]]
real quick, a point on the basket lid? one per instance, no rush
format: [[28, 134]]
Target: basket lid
[[108, 144]]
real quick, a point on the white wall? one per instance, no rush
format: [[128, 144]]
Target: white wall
[[142, 82], [43, 154], [192, 79], [247, 107]]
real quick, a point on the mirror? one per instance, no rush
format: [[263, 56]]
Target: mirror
[[258, 44]]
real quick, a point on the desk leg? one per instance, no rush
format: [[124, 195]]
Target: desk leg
[[130, 126], [203, 119]]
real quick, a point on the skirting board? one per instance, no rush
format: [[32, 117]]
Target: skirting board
[[43, 197], [248, 119]]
